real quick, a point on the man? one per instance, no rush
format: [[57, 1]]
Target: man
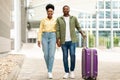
[[66, 38]]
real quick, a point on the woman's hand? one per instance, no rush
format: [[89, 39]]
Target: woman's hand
[[58, 42], [39, 44]]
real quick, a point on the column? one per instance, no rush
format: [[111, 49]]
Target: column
[[97, 27], [23, 20], [111, 27], [17, 24]]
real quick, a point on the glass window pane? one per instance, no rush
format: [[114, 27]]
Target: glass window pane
[[104, 33], [119, 5], [119, 14], [94, 16], [115, 14], [108, 14], [115, 24], [82, 24], [115, 4], [101, 14], [101, 4], [116, 33], [101, 24], [81, 15], [108, 24], [88, 24], [104, 36], [119, 24], [108, 5], [94, 24]]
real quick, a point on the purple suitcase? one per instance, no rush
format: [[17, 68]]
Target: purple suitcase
[[89, 64]]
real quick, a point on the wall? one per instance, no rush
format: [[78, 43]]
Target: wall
[[5, 25]]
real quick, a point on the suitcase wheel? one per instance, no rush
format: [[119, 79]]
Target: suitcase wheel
[[89, 78]]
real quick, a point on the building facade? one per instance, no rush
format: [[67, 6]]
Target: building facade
[[102, 27], [5, 25]]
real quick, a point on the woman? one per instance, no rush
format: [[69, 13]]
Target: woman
[[47, 37]]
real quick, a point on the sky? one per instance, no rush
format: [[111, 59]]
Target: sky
[[76, 6]]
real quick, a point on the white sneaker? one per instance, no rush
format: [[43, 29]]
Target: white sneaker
[[72, 75], [50, 75], [66, 76]]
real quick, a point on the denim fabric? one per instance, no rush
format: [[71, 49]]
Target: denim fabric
[[49, 47], [69, 47]]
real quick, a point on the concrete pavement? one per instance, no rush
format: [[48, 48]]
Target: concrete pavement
[[34, 67]]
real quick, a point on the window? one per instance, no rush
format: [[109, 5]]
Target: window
[[104, 33], [93, 24], [108, 24], [82, 24], [115, 24], [101, 14], [88, 24], [94, 16], [108, 5], [116, 33], [119, 24], [101, 24], [115, 14], [81, 15], [115, 4], [119, 14], [119, 5], [101, 4], [108, 14]]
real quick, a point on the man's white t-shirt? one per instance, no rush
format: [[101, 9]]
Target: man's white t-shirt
[[67, 35]]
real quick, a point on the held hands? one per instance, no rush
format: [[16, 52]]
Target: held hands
[[39, 44], [58, 42]]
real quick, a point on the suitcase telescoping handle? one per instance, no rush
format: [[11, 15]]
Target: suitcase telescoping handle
[[85, 43]]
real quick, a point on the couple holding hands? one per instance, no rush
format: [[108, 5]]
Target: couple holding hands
[[60, 31]]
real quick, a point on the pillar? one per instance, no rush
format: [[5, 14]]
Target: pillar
[[17, 24]]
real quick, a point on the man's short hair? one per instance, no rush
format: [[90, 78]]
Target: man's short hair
[[66, 6]]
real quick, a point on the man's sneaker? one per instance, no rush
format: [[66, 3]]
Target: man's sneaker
[[72, 75], [50, 75], [66, 76]]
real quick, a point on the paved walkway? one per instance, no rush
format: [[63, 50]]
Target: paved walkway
[[34, 67]]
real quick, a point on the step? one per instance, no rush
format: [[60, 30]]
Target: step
[[10, 66]]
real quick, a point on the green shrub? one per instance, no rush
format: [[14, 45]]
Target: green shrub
[[102, 41], [116, 41], [91, 40]]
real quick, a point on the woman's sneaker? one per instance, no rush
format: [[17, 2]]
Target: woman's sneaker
[[50, 75]]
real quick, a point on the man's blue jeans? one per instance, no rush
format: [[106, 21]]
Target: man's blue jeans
[[69, 46], [49, 47]]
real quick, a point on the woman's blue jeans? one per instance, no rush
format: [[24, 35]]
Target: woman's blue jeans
[[69, 46], [49, 47]]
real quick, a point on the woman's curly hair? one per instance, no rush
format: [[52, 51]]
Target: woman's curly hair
[[50, 6]]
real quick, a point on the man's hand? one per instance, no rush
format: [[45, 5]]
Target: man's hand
[[58, 42], [83, 34], [39, 44]]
